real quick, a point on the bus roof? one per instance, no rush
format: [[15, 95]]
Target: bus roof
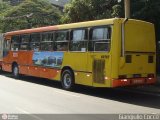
[[66, 26], [63, 26]]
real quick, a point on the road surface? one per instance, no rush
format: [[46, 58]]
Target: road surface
[[30, 95]]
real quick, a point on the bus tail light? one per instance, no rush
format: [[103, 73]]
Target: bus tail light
[[150, 75], [106, 78], [122, 76]]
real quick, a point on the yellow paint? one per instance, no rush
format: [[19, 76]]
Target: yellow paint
[[86, 24], [139, 38], [139, 44]]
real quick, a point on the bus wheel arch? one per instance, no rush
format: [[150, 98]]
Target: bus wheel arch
[[67, 78], [15, 70]]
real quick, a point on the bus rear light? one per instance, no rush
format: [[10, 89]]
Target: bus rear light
[[124, 80], [106, 78], [76, 73], [88, 75], [122, 76], [150, 75]]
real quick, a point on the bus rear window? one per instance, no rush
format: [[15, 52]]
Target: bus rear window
[[79, 40], [100, 39]]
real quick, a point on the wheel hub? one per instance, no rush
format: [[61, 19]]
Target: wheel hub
[[67, 80]]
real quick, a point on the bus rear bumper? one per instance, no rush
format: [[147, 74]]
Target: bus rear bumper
[[132, 82]]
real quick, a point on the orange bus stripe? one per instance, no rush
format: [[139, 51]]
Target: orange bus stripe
[[34, 30]]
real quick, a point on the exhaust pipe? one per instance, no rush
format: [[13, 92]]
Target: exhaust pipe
[[123, 37]]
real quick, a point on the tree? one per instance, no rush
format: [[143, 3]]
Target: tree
[[82, 10], [13, 2], [148, 10], [29, 14], [4, 7]]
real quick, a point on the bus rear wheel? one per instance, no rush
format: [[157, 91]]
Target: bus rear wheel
[[15, 71], [67, 79]]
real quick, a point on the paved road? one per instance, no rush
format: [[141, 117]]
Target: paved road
[[31, 95]]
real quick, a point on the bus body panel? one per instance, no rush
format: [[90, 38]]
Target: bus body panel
[[97, 69], [139, 61]]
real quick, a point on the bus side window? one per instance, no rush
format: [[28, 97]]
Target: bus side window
[[6, 47], [100, 39], [15, 43], [47, 41], [61, 40], [35, 41], [79, 40], [25, 42]]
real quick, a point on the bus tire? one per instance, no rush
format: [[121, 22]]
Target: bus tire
[[15, 71], [67, 79]]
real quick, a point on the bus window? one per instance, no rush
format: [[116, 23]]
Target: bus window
[[6, 47], [62, 40], [79, 40], [24, 42], [100, 39], [47, 42], [15, 43], [35, 42]]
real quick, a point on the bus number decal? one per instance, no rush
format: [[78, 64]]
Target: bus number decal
[[105, 56]]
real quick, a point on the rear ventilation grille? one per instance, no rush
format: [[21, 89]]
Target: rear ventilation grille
[[98, 71], [150, 59]]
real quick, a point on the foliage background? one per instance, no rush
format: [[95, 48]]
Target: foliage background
[[82, 10], [36, 13], [28, 14]]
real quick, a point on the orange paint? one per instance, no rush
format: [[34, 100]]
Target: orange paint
[[132, 82]]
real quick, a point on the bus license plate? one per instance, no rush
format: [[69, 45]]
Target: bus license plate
[[137, 81]]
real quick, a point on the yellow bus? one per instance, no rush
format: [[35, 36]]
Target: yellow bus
[[103, 53]]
